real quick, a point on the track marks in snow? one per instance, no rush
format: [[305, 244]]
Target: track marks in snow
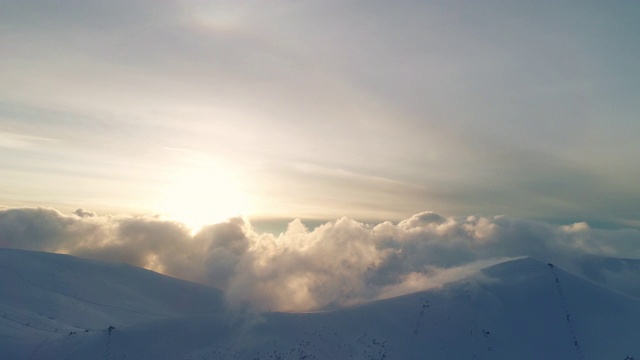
[[416, 329], [565, 309]]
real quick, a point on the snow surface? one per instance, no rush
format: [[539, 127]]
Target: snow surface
[[61, 307]]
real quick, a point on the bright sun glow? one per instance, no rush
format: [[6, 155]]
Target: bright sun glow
[[204, 195]]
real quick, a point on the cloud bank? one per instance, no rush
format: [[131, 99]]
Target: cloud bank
[[338, 263]]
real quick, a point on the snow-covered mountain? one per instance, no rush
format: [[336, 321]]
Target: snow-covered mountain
[[45, 297], [61, 307]]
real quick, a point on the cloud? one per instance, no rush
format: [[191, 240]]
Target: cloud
[[338, 263], [436, 277], [20, 141], [84, 213], [264, 86]]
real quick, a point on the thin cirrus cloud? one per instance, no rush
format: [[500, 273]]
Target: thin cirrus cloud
[[338, 263], [486, 108], [21, 141]]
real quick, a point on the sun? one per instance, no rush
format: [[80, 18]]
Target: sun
[[203, 195]]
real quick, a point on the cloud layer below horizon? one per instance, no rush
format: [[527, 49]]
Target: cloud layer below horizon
[[338, 263]]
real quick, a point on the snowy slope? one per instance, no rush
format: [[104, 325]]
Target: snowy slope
[[622, 275], [44, 297], [522, 309]]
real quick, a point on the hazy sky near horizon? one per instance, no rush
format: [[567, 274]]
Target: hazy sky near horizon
[[319, 109]]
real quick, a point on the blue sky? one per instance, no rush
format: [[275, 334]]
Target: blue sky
[[320, 109]]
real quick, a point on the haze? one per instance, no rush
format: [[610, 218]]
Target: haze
[[276, 110]]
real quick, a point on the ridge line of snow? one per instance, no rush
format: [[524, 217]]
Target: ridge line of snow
[[79, 298]]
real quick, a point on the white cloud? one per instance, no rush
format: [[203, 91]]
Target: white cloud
[[575, 227], [20, 141], [338, 263]]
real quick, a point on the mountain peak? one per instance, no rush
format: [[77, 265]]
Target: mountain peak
[[57, 306]]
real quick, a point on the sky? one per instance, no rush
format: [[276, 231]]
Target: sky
[[301, 155], [204, 110]]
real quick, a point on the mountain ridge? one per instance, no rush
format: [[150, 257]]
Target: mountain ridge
[[523, 308]]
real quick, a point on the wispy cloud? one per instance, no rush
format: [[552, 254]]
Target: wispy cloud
[[10, 140], [391, 109]]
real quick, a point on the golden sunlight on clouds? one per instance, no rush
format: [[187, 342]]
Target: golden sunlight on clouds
[[205, 193]]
